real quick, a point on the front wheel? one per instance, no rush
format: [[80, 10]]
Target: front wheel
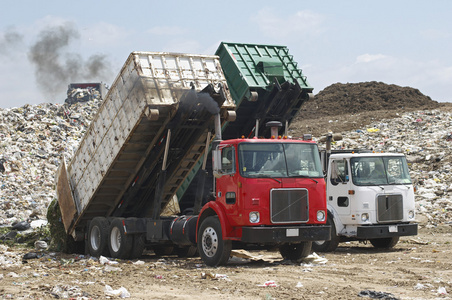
[[119, 243], [214, 251], [327, 246], [385, 243], [295, 252]]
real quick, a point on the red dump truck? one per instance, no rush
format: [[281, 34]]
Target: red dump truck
[[160, 123]]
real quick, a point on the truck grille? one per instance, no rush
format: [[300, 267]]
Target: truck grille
[[389, 208], [289, 205]]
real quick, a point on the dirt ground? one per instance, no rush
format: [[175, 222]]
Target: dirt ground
[[418, 267]]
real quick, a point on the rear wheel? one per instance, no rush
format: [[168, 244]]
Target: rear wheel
[[120, 244], [98, 237], [138, 246], [295, 252], [327, 246], [385, 242], [188, 251], [213, 250]]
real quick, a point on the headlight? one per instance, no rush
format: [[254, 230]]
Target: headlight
[[411, 214], [254, 217], [365, 217], [320, 215]]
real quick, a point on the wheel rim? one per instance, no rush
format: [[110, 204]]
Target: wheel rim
[[115, 239], [95, 238], [209, 242]]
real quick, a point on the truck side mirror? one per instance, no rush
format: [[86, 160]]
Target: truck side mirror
[[216, 162]]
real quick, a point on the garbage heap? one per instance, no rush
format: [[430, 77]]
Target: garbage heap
[[33, 140], [425, 137]]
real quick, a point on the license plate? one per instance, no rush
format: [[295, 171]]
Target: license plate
[[393, 228], [292, 232]]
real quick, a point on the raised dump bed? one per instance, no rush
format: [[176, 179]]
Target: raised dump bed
[[115, 169], [265, 83]]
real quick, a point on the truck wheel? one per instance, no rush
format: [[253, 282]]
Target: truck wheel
[[98, 237], [120, 244], [138, 246], [295, 252], [189, 251], [385, 242], [163, 250], [214, 251], [327, 246]]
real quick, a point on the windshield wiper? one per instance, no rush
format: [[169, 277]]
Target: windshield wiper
[[304, 176], [263, 176]]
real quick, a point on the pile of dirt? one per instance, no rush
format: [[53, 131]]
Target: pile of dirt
[[344, 107]]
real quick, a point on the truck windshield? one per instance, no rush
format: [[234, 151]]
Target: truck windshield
[[385, 170], [259, 160]]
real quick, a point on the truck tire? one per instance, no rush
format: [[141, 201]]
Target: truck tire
[[214, 251], [327, 246], [385, 243], [119, 243], [295, 252], [98, 237], [189, 251], [138, 246], [163, 250]]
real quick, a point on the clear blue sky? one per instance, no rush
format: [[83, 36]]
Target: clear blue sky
[[408, 43]]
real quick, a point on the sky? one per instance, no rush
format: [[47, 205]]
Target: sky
[[45, 45]]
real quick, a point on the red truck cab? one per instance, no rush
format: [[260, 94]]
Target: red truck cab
[[268, 192]]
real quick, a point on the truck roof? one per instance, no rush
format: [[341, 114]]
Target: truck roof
[[367, 154]]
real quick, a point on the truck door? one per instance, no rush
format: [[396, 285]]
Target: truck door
[[227, 184], [338, 186]]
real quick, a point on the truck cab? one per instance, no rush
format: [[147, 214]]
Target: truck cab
[[370, 197], [268, 192]]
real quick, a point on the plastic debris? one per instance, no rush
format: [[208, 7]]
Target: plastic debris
[[377, 295], [442, 291], [269, 283], [121, 292]]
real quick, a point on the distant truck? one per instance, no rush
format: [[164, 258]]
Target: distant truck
[[122, 190], [370, 198], [82, 92]]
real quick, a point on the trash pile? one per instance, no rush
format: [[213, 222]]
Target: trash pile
[[425, 138], [83, 92], [33, 140]]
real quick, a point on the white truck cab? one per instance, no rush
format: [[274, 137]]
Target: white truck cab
[[370, 197]]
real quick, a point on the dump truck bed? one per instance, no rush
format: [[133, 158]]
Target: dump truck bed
[[121, 154]]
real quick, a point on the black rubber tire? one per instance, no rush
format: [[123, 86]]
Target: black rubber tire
[[163, 250], [98, 237], [385, 243], [189, 251], [119, 243], [138, 246], [295, 252], [327, 246], [214, 251]]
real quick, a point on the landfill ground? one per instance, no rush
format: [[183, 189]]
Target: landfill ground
[[418, 267], [34, 138]]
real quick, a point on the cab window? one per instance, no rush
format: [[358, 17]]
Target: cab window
[[339, 171]]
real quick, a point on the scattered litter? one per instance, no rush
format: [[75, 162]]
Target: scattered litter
[[105, 261], [269, 283], [121, 292], [442, 291], [138, 262], [315, 259], [299, 285], [215, 276], [41, 245], [109, 268], [247, 255], [377, 295]]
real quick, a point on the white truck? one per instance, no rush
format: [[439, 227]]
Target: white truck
[[370, 197]]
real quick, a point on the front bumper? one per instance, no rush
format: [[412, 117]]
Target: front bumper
[[286, 234], [385, 231]]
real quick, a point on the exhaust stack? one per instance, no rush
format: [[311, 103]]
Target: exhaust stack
[[274, 127]]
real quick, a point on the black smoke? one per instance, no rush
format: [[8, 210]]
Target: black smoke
[[56, 66], [10, 42]]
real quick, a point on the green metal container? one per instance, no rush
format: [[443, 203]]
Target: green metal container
[[265, 83]]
